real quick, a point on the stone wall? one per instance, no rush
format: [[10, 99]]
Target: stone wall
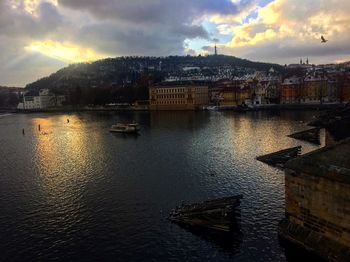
[[320, 207]]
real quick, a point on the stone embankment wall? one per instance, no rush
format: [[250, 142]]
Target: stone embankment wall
[[317, 214]]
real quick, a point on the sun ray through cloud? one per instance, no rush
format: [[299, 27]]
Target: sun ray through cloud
[[74, 31], [66, 52]]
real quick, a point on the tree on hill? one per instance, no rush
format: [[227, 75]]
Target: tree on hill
[[126, 79]]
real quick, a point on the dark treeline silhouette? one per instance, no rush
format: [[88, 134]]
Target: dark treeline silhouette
[[9, 98], [127, 71], [103, 95], [79, 96]]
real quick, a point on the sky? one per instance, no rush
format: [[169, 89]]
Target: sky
[[38, 37]]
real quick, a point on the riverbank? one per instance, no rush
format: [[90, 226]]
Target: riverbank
[[82, 109], [8, 110], [268, 107]]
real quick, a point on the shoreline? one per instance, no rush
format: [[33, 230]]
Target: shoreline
[[289, 107]]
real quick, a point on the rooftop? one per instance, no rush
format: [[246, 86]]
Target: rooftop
[[181, 84], [292, 81], [330, 162]]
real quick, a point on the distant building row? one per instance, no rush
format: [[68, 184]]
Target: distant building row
[[257, 90], [44, 100], [315, 89]]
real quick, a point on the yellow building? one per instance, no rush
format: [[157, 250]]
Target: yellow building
[[314, 89], [178, 97], [236, 97], [233, 93]]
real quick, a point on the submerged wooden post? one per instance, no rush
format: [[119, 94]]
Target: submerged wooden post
[[39, 127]]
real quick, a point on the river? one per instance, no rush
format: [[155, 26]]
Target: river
[[74, 191]]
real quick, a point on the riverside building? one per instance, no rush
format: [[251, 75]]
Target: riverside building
[[315, 89], [291, 90], [44, 100], [234, 93], [178, 97]]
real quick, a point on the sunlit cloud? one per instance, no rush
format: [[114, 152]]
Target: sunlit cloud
[[29, 6], [279, 31], [284, 30], [65, 52]]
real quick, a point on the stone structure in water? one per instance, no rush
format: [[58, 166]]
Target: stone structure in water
[[318, 202], [311, 135]]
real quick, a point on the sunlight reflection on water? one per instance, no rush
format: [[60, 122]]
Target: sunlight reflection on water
[[74, 191]]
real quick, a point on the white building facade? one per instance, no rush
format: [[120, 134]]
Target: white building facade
[[42, 101]]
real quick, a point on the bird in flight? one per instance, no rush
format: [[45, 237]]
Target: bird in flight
[[323, 40]]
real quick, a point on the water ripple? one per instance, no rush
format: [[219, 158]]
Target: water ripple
[[76, 192]]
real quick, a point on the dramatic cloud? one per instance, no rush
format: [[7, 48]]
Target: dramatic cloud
[[152, 27], [20, 23], [38, 37], [80, 30], [285, 30], [154, 11]]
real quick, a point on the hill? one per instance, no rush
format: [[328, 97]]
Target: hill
[[10, 89], [126, 79], [129, 70], [346, 64], [9, 96]]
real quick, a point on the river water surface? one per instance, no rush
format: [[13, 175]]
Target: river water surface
[[74, 191]]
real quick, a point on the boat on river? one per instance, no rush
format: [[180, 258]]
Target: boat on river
[[211, 108], [125, 128]]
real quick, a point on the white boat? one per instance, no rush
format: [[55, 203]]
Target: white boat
[[125, 128], [212, 108]]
